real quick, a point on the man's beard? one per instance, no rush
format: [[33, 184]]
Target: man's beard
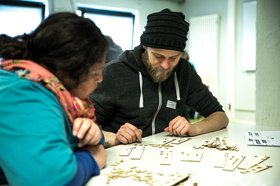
[[157, 73]]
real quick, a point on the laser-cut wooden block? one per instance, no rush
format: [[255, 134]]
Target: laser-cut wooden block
[[221, 161], [191, 156], [233, 162], [126, 151], [137, 152], [166, 157], [251, 162]]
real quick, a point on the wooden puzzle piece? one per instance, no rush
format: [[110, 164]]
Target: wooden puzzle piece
[[180, 140], [257, 168], [221, 161], [126, 151], [224, 145], [192, 156], [233, 162], [146, 176], [248, 163], [220, 143], [166, 157], [198, 147], [178, 180], [167, 141], [137, 152]]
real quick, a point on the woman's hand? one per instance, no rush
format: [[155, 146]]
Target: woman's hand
[[87, 131]]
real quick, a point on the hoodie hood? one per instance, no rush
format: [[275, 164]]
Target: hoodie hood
[[133, 59]]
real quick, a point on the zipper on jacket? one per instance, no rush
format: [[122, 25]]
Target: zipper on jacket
[[159, 106]]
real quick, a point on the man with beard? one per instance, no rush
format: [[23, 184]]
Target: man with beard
[[145, 91]]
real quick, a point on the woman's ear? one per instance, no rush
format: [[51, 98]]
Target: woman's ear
[[64, 78]]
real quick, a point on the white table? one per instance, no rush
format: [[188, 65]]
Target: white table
[[203, 172]]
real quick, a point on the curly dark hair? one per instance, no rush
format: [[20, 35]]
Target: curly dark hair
[[64, 43]]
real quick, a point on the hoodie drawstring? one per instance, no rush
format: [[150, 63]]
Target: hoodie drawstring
[[177, 87], [141, 102]]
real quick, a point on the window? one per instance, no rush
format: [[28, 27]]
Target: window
[[117, 24], [18, 17]]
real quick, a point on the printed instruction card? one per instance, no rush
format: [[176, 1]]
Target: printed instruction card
[[263, 138]]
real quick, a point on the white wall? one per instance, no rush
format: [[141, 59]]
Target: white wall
[[195, 8], [141, 7], [245, 86], [240, 88], [268, 63]]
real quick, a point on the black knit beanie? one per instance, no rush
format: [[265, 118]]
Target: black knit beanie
[[166, 30]]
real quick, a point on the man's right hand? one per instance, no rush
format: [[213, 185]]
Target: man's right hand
[[128, 133]]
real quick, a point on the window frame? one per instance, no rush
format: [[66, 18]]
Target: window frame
[[29, 4], [107, 12]]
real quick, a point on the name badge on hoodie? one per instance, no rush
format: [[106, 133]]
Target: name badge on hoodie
[[171, 104]]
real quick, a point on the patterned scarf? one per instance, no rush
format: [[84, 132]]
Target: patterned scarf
[[73, 106]]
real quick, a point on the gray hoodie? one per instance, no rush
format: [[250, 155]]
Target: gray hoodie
[[128, 94]]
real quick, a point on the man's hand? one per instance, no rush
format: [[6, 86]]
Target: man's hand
[[178, 126], [128, 133], [86, 131]]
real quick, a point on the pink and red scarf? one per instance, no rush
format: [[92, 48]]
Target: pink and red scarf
[[73, 106]]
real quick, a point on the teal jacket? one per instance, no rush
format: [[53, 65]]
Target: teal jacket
[[36, 144]]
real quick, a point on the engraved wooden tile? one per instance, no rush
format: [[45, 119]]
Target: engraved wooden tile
[[165, 156], [257, 168], [180, 140], [191, 156], [220, 162], [251, 162], [137, 152], [232, 162], [126, 151]]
